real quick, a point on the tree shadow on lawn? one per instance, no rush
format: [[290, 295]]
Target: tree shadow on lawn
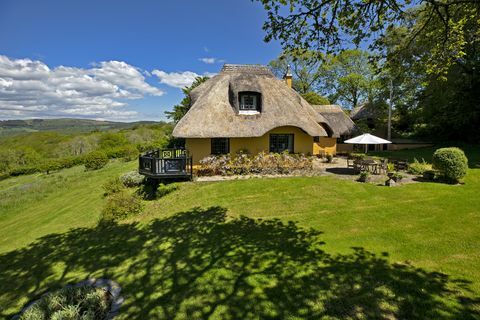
[[202, 264]]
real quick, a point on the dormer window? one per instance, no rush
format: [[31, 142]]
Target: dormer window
[[250, 102]]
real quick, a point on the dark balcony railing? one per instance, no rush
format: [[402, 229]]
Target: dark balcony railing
[[166, 163]]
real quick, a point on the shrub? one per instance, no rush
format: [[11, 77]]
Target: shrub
[[429, 175], [164, 189], [112, 186], [390, 167], [363, 176], [17, 171], [83, 302], [130, 153], [329, 158], [262, 163], [121, 205], [132, 179], [418, 168], [95, 160], [397, 176], [451, 163]]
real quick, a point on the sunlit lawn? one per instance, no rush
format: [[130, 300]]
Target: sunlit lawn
[[192, 255]]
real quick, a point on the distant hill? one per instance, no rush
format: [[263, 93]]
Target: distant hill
[[64, 125]]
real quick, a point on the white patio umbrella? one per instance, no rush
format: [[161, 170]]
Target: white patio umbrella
[[366, 139]]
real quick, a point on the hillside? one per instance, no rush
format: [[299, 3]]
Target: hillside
[[63, 125], [61, 143], [338, 248]]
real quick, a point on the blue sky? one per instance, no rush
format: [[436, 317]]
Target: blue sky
[[119, 60]]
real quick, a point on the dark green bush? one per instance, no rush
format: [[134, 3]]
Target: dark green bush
[[451, 163], [112, 186], [17, 171], [95, 160], [84, 302], [121, 205], [130, 153], [164, 189]]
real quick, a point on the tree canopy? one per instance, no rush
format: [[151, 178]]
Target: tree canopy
[[181, 109], [331, 25]]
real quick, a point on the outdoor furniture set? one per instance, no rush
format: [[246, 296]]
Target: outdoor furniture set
[[374, 166]]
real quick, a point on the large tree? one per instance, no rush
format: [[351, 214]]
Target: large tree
[[442, 104], [348, 78], [330, 25], [304, 67], [181, 109]]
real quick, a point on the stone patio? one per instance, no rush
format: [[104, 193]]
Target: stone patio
[[337, 168]]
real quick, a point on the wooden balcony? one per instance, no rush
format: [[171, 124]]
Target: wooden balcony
[[166, 164]]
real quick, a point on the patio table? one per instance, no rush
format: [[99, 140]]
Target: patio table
[[371, 166]]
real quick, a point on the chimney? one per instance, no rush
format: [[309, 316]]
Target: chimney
[[288, 77]]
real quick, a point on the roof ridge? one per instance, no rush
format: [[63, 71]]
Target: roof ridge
[[246, 68]]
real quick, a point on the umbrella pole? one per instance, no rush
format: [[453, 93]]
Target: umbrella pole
[[366, 148]]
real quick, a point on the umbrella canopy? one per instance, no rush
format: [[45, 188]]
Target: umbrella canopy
[[367, 138]]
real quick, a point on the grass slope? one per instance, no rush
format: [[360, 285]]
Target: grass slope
[[202, 251]]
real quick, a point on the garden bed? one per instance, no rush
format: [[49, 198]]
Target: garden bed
[[91, 299]]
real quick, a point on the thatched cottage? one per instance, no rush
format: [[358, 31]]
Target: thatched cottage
[[245, 108]]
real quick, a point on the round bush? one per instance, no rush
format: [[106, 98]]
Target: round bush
[[95, 160], [121, 205], [132, 179], [451, 163]]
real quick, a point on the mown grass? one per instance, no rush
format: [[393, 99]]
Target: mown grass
[[202, 251]]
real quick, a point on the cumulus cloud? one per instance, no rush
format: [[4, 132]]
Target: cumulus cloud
[[30, 88], [178, 79]]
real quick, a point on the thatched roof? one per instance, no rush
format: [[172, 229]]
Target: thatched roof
[[365, 111], [214, 111], [337, 120]]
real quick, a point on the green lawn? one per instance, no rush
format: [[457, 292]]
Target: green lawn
[[289, 248]]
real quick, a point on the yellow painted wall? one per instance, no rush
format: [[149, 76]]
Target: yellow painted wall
[[200, 148], [326, 145]]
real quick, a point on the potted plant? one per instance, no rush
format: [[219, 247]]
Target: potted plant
[[397, 176], [390, 169], [329, 158], [363, 176]]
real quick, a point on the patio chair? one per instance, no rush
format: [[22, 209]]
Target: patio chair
[[358, 165], [350, 162], [401, 165], [382, 167]]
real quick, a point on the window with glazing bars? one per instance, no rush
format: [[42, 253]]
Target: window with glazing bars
[[281, 142], [249, 101], [220, 145]]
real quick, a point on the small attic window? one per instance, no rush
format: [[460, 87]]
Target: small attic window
[[249, 101]]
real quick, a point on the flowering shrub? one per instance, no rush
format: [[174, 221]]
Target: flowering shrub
[[418, 168], [132, 179], [262, 163]]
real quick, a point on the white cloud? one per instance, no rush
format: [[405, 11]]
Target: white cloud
[[211, 60], [209, 74], [178, 79], [29, 88], [208, 60]]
